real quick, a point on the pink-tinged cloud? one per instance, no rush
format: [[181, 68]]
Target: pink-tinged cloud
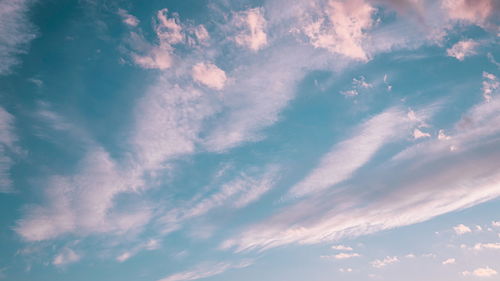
[[209, 75]]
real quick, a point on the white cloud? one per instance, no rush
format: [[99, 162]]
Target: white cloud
[[417, 134], [475, 12], [442, 135], [449, 261], [205, 271], [344, 212], [127, 18], [237, 193], [367, 139], [159, 56], [209, 75], [481, 246], [253, 23], [462, 49], [150, 245], [384, 262], [481, 272], [461, 229], [345, 269], [340, 27], [82, 203], [341, 248], [495, 223], [8, 147], [66, 256], [490, 85], [16, 32], [343, 256]]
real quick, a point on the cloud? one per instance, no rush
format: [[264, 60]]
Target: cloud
[[345, 269], [461, 229], [66, 256], [340, 27], [16, 32], [495, 223], [237, 193], [490, 85], [473, 11], [481, 272], [8, 148], [205, 271], [449, 261], [127, 18], [352, 209], [367, 139], [462, 49], [253, 25], [343, 256], [150, 245], [481, 246], [82, 203], [417, 134], [209, 75], [169, 31], [384, 262], [341, 248]]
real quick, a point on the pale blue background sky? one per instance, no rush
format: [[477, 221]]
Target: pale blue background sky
[[249, 140]]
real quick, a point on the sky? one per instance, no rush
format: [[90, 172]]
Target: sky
[[249, 140]]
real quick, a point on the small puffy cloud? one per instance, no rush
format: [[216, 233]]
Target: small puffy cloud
[[209, 75], [417, 134], [481, 246], [462, 49], [442, 135], [66, 256], [449, 261], [461, 229], [345, 269], [350, 93], [473, 11], [158, 58], [124, 256], [481, 272], [343, 256], [168, 28], [495, 223], [490, 84], [341, 248], [384, 262], [340, 27], [253, 23], [201, 34], [127, 18]]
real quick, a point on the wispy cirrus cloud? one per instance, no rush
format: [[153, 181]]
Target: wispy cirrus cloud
[[8, 148], [367, 139], [347, 212], [206, 270], [16, 32]]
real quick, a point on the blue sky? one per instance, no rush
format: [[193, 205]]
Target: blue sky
[[249, 140]]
